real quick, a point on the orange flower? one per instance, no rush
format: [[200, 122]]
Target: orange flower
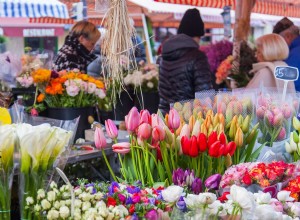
[[49, 90], [57, 87], [99, 84], [41, 97], [41, 75], [264, 182]]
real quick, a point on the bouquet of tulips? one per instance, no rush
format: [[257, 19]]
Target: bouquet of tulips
[[274, 118], [293, 146], [7, 147]]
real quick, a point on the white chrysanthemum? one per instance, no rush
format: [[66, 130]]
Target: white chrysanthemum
[[37, 208], [53, 214], [45, 204], [41, 194], [51, 196], [77, 191], [53, 185], [86, 206], [120, 211], [29, 201]]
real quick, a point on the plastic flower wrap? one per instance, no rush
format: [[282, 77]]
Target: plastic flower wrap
[[66, 89]]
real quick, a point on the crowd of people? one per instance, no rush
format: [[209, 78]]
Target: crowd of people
[[183, 68]]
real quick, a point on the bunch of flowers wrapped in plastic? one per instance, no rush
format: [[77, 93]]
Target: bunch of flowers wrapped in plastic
[[145, 77], [66, 89], [224, 69]]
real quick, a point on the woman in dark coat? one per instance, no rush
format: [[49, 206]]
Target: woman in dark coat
[[76, 51], [184, 69]]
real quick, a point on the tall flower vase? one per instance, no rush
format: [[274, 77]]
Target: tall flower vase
[[149, 99], [70, 114], [7, 142]]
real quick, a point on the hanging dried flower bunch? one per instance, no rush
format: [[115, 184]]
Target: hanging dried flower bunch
[[117, 46]]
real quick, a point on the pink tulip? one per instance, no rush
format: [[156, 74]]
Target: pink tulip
[[144, 131], [111, 129], [100, 140], [132, 120], [278, 119], [269, 116], [281, 134], [145, 117], [173, 119], [156, 121], [158, 133], [185, 131], [260, 112], [121, 148], [221, 108], [34, 112], [287, 111]]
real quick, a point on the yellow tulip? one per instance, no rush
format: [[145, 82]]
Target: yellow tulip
[[232, 130], [203, 129], [199, 115], [228, 161], [215, 120], [221, 119], [221, 128], [252, 134], [239, 137], [246, 124], [240, 120], [191, 122], [296, 123], [210, 129], [208, 121]]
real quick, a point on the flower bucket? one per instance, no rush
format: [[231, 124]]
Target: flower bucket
[[70, 114], [150, 99], [124, 103]]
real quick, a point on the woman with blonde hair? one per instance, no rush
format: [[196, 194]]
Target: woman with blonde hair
[[77, 49], [271, 50]]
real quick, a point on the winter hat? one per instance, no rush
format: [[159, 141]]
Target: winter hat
[[191, 24], [282, 25]]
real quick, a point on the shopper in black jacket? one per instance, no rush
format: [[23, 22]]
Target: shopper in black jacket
[[184, 69]]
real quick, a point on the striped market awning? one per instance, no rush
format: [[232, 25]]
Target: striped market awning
[[272, 7], [33, 9]]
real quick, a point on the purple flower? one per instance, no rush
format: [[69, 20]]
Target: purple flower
[[213, 181], [178, 177], [133, 189], [181, 204], [128, 201], [196, 185], [189, 177], [134, 217], [272, 190], [152, 201], [111, 187], [54, 74], [152, 215]]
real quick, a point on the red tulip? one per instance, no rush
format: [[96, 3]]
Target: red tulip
[[145, 116], [185, 145], [121, 148], [193, 151], [213, 151], [202, 143], [213, 137], [230, 148], [111, 129], [158, 154], [173, 119], [100, 140], [158, 133], [144, 131], [222, 138], [222, 150], [132, 120]]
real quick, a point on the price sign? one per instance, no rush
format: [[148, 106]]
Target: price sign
[[287, 74]]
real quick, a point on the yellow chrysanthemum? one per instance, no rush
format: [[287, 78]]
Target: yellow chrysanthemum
[[41, 75]]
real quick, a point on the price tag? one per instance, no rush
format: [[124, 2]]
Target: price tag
[[287, 74]]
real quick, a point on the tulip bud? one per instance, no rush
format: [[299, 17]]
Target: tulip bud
[[145, 117], [222, 138], [193, 151], [281, 134], [295, 137], [169, 136], [260, 112], [230, 148], [293, 144], [228, 114], [167, 119], [213, 181], [199, 115], [202, 142], [221, 128], [232, 130], [240, 120], [214, 149], [178, 131], [132, 120], [210, 113], [144, 131], [228, 160], [296, 123], [207, 121], [239, 137], [121, 148], [246, 124], [203, 129], [185, 131], [288, 148], [215, 120], [196, 129], [252, 134], [191, 122], [185, 145], [212, 138], [111, 129], [210, 129], [221, 107], [100, 140], [173, 119], [221, 119], [158, 133]]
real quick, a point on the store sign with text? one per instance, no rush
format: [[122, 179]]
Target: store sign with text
[[32, 32]]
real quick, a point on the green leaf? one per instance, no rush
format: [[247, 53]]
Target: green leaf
[[256, 153], [250, 147]]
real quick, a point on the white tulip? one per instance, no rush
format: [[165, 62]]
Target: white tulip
[[172, 193], [29, 201], [196, 128], [51, 196], [207, 198], [191, 200], [53, 214], [64, 212], [284, 196], [41, 194], [295, 209], [262, 198], [45, 204], [243, 198]]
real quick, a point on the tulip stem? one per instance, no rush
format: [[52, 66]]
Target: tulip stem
[[140, 167], [123, 167], [108, 165]]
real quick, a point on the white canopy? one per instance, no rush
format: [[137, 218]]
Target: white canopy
[[33, 8]]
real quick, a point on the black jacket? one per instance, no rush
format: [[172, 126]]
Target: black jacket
[[73, 55], [183, 70]]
